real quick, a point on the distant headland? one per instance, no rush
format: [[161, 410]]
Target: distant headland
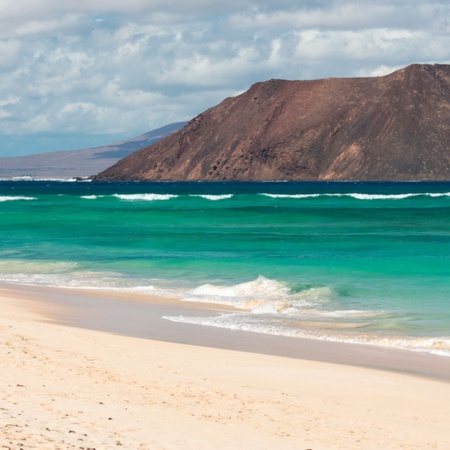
[[389, 128], [78, 163]]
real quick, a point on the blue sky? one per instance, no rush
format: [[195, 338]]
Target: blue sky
[[83, 73]]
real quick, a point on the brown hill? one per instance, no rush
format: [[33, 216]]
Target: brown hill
[[395, 127], [79, 163]]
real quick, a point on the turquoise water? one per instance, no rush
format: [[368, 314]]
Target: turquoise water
[[356, 262]]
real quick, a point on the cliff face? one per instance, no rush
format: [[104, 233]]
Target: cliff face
[[395, 127]]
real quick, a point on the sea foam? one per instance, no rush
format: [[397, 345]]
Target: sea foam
[[8, 198], [383, 196], [61, 180], [291, 195], [214, 197], [145, 197], [261, 296], [361, 196], [91, 197], [324, 332]]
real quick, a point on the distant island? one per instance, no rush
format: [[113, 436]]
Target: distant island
[[389, 128], [79, 163]]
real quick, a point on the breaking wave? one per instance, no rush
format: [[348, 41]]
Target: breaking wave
[[145, 197], [68, 275], [273, 307], [262, 296], [62, 180], [214, 197], [294, 195], [8, 198], [360, 196]]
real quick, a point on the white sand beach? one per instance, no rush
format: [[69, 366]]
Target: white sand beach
[[64, 387]]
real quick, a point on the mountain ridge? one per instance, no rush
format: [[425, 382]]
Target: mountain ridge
[[390, 128], [79, 163]]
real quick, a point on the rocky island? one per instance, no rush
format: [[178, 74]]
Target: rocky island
[[390, 128]]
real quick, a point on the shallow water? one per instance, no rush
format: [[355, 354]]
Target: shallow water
[[356, 262]]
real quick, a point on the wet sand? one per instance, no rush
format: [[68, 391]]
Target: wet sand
[[140, 315], [84, 369]]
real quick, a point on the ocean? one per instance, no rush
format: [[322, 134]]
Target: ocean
[[353, 262]]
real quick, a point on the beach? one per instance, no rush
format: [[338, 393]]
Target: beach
[[67, 385]]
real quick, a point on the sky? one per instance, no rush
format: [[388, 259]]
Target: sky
[[83, 73]]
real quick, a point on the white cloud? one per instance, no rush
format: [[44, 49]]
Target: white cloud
[[5, 106], [109, 66], [9, 101], [203, 71], [377, 71], [347, 15], [358, 45], [113, 95]]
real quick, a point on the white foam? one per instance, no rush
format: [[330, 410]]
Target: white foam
[[434, 345], [259, 286], [78, 280], [266, 308], [382, 196], [351, 313], [91, 197], [244, 295], [262, 296], [442, 194], [361, 196], [8, 198], [31, 178], [146, 197], [244, 322], [292, 195], [215, 197]]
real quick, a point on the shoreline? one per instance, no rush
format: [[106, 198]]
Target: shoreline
[[66, 386], [140, 315]]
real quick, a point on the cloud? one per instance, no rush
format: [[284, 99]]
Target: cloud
[[123, 68], [347, 15], [10, 53], [342, 16], [359, 45], [4, 113]]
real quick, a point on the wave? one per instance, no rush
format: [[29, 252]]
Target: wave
[[62, 180], [261, 296], [324, 332], [152, 197], [383, 196], [439, 194], [91, 197], [8, 198], [145, 197], [361, 196], [262, 305], [268, 297], [293, 195], [70, 275], [214, 197]]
